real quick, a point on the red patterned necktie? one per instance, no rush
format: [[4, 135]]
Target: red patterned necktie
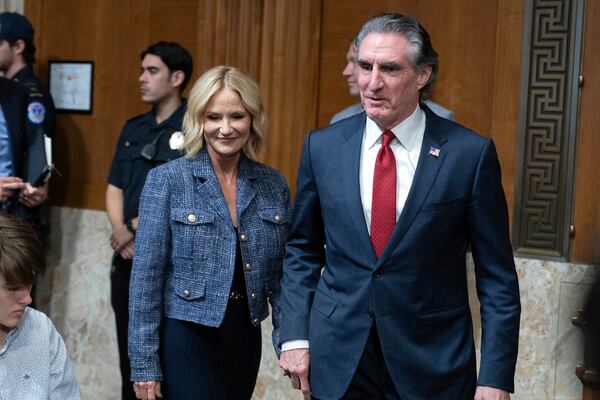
[[383, 208]]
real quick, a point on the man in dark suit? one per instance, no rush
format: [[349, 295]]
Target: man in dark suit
[[390, 217], [13, 108]]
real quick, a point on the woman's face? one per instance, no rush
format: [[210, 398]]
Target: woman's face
[[13, 300], [226, 125]]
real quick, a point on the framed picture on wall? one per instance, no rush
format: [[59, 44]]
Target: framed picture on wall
[[71, 85]]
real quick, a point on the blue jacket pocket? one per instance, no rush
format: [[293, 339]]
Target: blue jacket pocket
[[190, 290], [191, 229], [190, 216], [324, 304]]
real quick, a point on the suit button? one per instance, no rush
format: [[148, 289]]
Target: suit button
[[186, 294], [191, 218], [370, 314], [253, 296], [377, 275], [278, 218], [127, 143], [255, 320], [248, 267], [243, 237]]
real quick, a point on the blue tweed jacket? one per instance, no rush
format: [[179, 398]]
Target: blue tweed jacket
[[186, 245]]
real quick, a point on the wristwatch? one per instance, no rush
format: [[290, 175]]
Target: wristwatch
[[129, 226]]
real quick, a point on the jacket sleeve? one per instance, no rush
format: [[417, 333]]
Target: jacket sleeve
[[304, 254], [496, 278], [151, 256], [275, 295]]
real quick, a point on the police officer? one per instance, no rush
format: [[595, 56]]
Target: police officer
[[145, 142], [17, 53]]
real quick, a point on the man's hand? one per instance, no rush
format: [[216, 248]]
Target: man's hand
[[149, 390], [33, 196], [490, 393], [7, 185], [294, 364], [126, 251], [120, 237]]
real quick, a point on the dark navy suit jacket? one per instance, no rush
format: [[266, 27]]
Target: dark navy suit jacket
[[13, 99], [416, 293]]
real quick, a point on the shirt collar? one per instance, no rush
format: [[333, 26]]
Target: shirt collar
[[406, 131], [175, 120], [22, 73]]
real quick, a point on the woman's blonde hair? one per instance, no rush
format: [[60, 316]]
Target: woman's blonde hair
[[204, 89]]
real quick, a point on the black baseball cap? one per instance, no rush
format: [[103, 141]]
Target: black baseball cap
[[15, 26]]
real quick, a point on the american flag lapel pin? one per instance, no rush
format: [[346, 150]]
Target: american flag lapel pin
[[434, 151]]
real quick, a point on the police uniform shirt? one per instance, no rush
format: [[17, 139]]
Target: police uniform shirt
[[129, 168], [40, 107], [5, 150]]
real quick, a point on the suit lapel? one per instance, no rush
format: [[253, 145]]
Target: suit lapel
[[350, 156], [427, 170]]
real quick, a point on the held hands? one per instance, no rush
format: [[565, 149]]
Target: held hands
[[121, 238], [490, 393], [149, 390], [294, 364], [33, 196], [8, 184], [126, 252]]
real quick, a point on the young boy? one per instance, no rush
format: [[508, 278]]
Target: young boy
[[33, 359]]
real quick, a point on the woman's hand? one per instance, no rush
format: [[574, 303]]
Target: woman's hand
[[148, 390], [120, 237]]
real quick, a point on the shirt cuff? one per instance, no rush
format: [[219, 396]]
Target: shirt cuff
[[294, 344]]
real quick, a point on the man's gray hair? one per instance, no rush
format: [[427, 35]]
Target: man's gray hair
[[421, 52]]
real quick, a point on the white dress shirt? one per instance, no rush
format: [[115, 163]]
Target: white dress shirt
[[409, 134], [406, 149]]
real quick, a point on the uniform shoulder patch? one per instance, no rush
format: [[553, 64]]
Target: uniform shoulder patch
[[36, 112]]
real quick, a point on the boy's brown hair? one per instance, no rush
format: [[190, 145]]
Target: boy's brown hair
[[21, 253]]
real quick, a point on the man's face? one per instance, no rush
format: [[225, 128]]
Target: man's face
[[350, 71], [6, 55], [157, 82], [13, 300], [389, 84]]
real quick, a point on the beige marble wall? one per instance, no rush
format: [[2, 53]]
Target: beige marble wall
[[549, 346], [76, 294]]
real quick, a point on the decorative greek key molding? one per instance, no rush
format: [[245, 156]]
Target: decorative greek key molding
[[547, 128]]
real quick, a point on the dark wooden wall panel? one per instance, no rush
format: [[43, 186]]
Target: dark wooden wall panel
[[275, 41], [506, 80], [585, 245], [289, 78]]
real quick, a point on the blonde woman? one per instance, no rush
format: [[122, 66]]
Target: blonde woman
[[209, 251]]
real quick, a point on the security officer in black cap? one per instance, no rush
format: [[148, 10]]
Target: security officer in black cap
[[17, 53], [145, 142]]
